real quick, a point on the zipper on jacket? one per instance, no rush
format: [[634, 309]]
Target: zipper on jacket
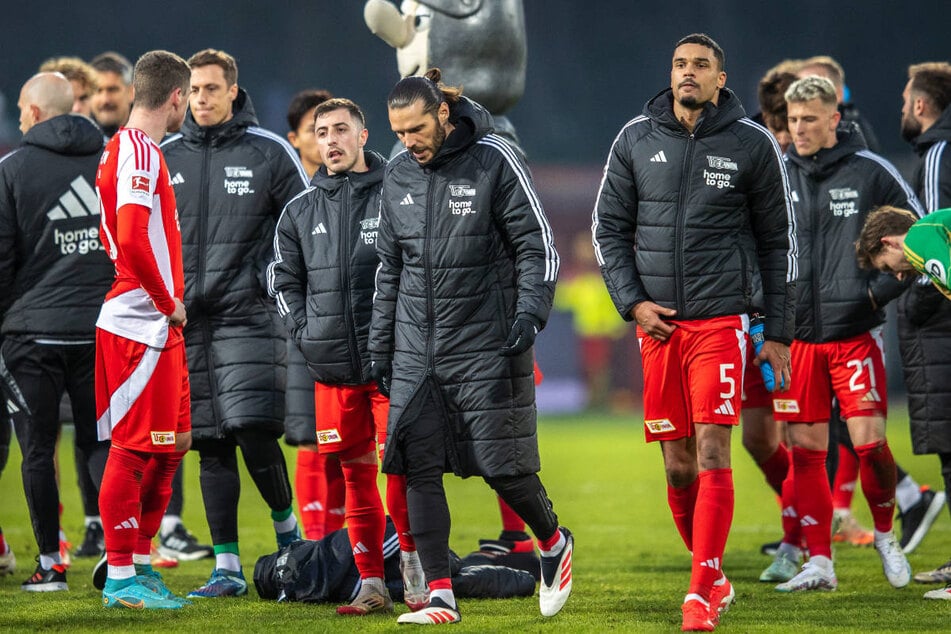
[[428, 266], [681, 221], [343, 221], [815, 258], [203, 218]]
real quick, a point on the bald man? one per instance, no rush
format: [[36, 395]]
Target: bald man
[[53, 276]]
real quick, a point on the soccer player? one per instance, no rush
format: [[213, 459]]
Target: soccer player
[[50, 262], [837, 350], [318, 480], [142, 391], [902, 244], [300, 121], [111, 105], [466, 279], [687, 186], [232, 179], [924, 314], [322, 278]]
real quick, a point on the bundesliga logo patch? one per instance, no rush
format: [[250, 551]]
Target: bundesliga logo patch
[[163, 438], [789, 406], [141, 184], [659, 426], [325, 436]]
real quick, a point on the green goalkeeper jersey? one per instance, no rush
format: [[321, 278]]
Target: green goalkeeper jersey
[[928, 248]]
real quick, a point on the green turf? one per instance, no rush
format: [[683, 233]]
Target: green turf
[[631, 569]]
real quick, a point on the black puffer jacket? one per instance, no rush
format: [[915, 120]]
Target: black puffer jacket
[[54, 272], [677, 211], [464, 246], [231, 182], [833, 191], [924, 314], [323, 269]]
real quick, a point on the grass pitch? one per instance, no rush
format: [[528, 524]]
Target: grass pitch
[[630, 568]]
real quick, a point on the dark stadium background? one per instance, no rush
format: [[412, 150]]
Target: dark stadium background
[[591, 67]]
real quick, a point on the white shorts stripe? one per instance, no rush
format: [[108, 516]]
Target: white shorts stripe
[[125, 396]]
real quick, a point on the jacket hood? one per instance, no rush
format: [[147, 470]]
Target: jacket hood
[[713, 118], [940, 131], [849, 140], [68, 134], [358, 180], [471, 121], [243, 117]]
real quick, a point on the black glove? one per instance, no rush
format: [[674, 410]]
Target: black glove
[[521, 338], [382, 373]]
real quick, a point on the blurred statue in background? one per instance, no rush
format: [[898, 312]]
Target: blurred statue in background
[[479, 44]]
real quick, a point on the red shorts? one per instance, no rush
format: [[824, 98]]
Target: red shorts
[[696, 376], [142, 393], [852, 370], [754, 390], [350, 417]]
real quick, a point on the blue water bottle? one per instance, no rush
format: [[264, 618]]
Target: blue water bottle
[[757, 325]]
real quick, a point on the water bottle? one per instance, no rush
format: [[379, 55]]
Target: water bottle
[[757, 325]]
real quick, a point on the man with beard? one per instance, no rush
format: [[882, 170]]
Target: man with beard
[[689, 188], [924, 315], [466, 279]]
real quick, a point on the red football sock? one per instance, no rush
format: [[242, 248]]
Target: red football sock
[[846, 475], [396, 506], [682, 503], [877, 468], [3, 544], [792, 531], [156, 492], [366, 522], [119, 503], [510, 519], [440, 584], [813, 500], [335, 502], [712, 517], [310, 486], [775, 468]]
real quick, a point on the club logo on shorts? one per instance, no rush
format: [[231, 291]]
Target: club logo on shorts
[[787, 406], [659, 426], [325, 436], [163, 438]]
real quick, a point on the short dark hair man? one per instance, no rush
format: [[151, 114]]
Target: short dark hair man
[[112, 100], [231, 179], [322, 278], [51, 262], [837, 350], [141, 373], [924, 314], [691, 190], [300, 123], [900, 243], [466, 279]]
